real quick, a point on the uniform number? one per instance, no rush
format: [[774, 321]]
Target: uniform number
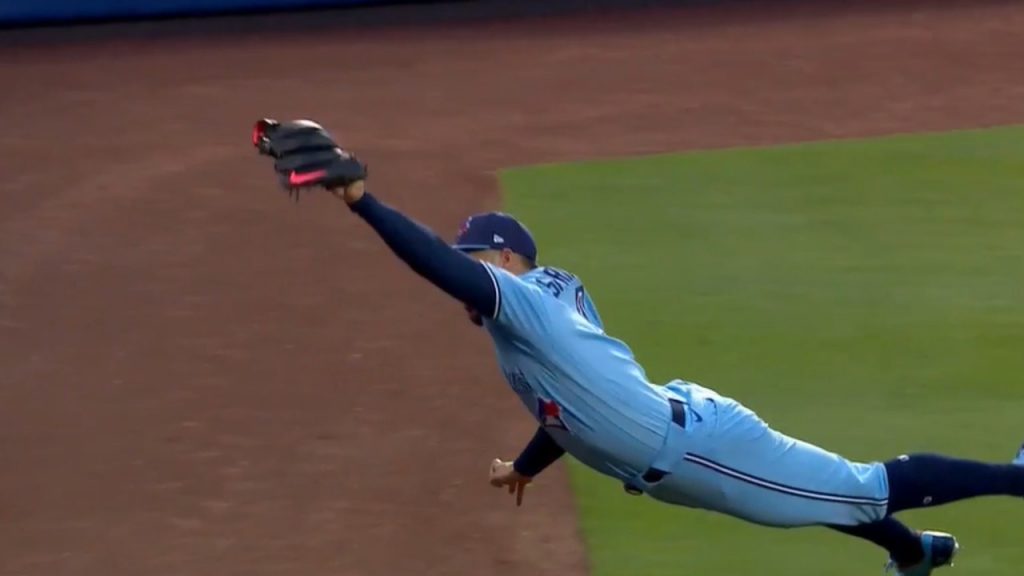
[[581, 299]]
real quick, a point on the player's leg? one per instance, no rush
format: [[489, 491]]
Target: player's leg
[[764, 476], [746, 454], [910, 553], [902, 543], [924, 480], [737, 465]]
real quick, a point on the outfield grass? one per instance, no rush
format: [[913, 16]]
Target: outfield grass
[[864, 295]]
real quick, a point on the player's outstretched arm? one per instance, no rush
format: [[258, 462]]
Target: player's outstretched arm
[[425, 252], [307, 156]]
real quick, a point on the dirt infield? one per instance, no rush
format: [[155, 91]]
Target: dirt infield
[[198, 378]]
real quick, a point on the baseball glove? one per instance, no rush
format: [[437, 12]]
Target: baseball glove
[[305, 155]]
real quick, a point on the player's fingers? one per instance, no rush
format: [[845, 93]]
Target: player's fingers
[[520, 488], [512, 488]]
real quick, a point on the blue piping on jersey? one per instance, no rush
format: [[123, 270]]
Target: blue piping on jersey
[[781, 488]]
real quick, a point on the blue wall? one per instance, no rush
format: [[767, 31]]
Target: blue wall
[[45, 11]]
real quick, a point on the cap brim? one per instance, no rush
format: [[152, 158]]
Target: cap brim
[[471, 247]]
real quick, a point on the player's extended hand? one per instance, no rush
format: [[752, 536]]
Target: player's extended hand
[[504, 474]]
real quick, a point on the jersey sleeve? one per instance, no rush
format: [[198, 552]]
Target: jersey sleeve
[[520, 305], [541, 452], [447, 268]]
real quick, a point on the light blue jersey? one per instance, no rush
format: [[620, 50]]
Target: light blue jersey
[[594, 399], [582, 385]]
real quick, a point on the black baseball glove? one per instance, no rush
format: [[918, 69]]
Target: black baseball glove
[[306, 156]]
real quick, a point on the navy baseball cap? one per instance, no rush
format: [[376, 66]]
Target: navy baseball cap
[[495, 231]]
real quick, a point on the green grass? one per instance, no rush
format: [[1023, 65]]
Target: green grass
[[867, 296]]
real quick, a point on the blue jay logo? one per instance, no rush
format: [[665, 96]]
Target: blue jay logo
[[550, 414]]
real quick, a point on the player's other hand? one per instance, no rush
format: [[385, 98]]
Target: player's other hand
[[503, 474]]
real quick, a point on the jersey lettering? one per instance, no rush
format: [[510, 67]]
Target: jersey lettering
[[554, 280], [517, 381]]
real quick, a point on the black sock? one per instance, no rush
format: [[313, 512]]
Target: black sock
[[903, 544], [921, 480]]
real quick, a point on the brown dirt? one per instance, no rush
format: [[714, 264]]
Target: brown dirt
[[199, 378]]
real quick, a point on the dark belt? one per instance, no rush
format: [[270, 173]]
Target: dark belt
[[653, 475]]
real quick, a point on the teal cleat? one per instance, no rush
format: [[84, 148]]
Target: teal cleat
[[1019, 460], [939, 550]]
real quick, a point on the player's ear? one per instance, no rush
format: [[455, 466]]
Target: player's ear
[[506, 257]]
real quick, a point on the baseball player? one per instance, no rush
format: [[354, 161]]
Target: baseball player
[[679, 443]]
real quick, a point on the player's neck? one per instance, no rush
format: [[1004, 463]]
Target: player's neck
[[517, 268]]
